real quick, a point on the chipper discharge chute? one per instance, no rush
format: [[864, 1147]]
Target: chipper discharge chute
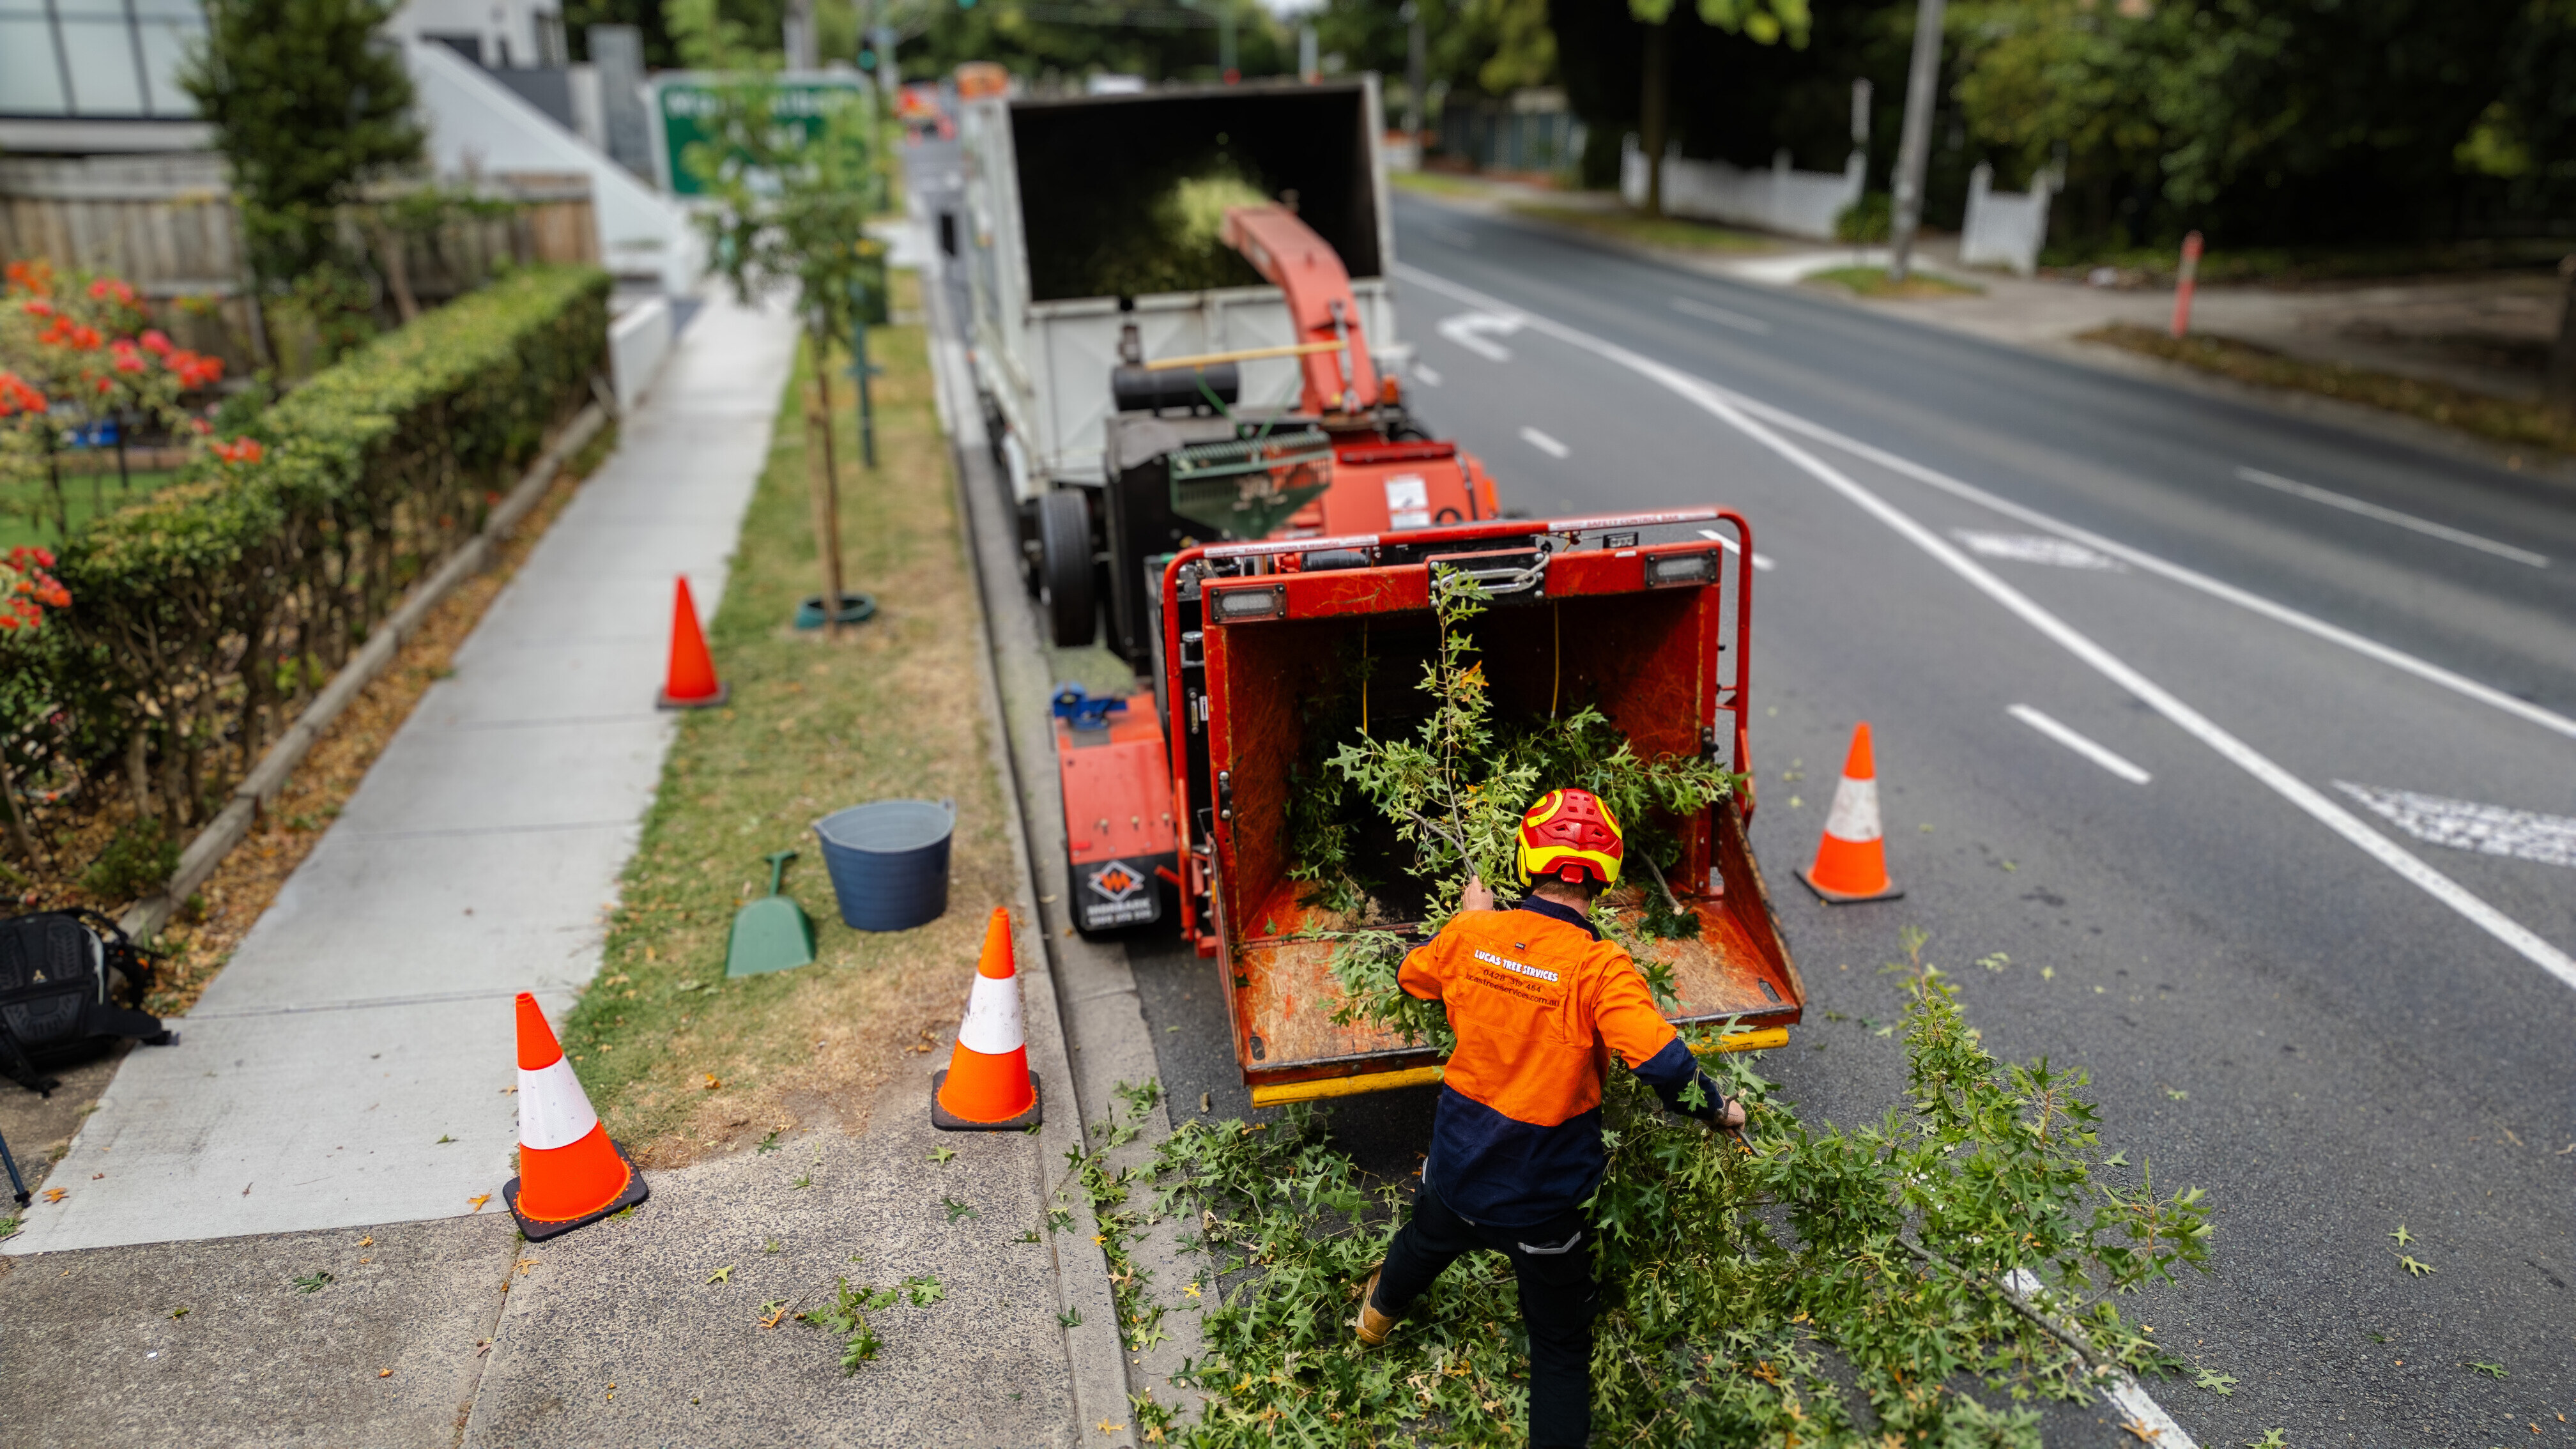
[[1186, 466], [1267, 647]]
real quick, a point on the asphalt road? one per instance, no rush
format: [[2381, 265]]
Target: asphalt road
[[2330, 1045]]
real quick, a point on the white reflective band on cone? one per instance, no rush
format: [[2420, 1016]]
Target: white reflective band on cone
[[553, 1109], [1855, 813], [992, 1024]]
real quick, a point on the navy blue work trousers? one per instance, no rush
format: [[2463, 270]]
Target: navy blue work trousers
[[1553, 1262]]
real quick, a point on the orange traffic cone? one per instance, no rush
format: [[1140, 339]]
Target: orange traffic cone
[[691, 683], [569, 1172], [1851, 862], [988, 1086]]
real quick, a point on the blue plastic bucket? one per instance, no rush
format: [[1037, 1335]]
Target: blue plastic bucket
[[889, 862]]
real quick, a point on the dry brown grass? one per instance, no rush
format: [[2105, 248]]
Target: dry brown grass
[[2502, 420]]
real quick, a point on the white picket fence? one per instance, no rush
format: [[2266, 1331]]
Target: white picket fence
[[2005, 228], [1792, 203]]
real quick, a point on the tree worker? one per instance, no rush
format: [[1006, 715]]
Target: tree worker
[[1539, 1003]]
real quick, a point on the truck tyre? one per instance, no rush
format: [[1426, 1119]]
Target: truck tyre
[[1064, 567]]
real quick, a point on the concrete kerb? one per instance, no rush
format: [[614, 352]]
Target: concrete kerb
[[1096, 991], [1048, 950]]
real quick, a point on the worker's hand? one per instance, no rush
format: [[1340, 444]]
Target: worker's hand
[[1475, 897], [1733, 1116]]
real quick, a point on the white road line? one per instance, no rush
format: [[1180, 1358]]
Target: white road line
[[2147, 1418], [2034, 548], [1471, 330], [1761, 560], [2314, 494], [1426, 375], [1449, 234], [1721, 404], [2467, 825], [1545, 444], [2079, 744], [2336, 634], [1722, 316]]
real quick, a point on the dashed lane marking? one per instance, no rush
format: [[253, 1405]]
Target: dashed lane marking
[[1761, 560], [2034, 548], [2426, 526], [1721, 316], [2089, 749], [1427, 376], [1930, 477], [1545, 444], [2468, 825], [1730, 408]]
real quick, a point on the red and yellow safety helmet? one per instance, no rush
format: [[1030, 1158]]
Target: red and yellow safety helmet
[[1569, 836]]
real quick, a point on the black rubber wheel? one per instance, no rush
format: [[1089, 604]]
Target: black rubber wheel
[[1064, 567]]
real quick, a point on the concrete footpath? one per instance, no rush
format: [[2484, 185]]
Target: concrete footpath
[[350, 1064], [355, 1294]]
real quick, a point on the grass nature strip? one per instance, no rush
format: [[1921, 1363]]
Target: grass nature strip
[[1743, 1288], [678, 1059]]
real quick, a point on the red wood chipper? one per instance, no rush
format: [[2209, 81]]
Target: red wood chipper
[[1640, 616], [1339, 510]]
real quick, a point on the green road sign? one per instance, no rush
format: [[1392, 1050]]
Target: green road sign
[[804, 100]]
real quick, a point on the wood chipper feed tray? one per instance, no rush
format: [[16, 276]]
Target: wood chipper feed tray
[[1651, 630]]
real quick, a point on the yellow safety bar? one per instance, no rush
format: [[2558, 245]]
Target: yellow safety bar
[[1242, 354], [1283, 1093]]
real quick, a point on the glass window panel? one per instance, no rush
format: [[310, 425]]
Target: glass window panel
[[104, 80], [166, 44], [98, 9], [30, 85]]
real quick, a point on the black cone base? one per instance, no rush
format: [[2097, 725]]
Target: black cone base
[[663, 699], [947, 1121], [540, 1229], [1838, 898]]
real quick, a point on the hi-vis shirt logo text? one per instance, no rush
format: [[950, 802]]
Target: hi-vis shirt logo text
[[1533, 972]]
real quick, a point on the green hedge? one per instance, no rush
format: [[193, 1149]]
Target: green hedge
[[203, 616]]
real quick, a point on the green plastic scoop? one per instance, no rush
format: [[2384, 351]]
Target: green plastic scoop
[[772, 933]]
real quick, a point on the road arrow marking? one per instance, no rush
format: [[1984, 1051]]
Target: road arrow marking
[[2467, 825], [2035, 548], [1476, 331]]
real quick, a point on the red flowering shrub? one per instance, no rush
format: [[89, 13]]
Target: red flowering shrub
[[72, 357]]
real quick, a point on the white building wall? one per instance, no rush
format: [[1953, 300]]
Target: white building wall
[[1793, 203], [2004, 228], [514, 32], [478, 126]]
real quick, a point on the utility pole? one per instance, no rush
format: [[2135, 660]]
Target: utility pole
[[1309, 69], [800, 44], [1413, 70], [1226, 69], [1914, 147]]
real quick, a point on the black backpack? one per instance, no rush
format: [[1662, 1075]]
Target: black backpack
[[60, 975]]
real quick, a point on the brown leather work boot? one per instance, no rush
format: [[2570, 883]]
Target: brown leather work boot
[[1373, 1326]]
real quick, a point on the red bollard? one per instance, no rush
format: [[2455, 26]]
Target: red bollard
[[2190, 278]]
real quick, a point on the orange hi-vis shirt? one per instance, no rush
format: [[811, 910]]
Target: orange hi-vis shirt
[[1540, 1004]]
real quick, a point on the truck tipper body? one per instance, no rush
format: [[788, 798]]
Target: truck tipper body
[[1053, 181]]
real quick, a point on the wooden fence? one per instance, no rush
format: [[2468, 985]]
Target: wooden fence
[[168, 225]]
